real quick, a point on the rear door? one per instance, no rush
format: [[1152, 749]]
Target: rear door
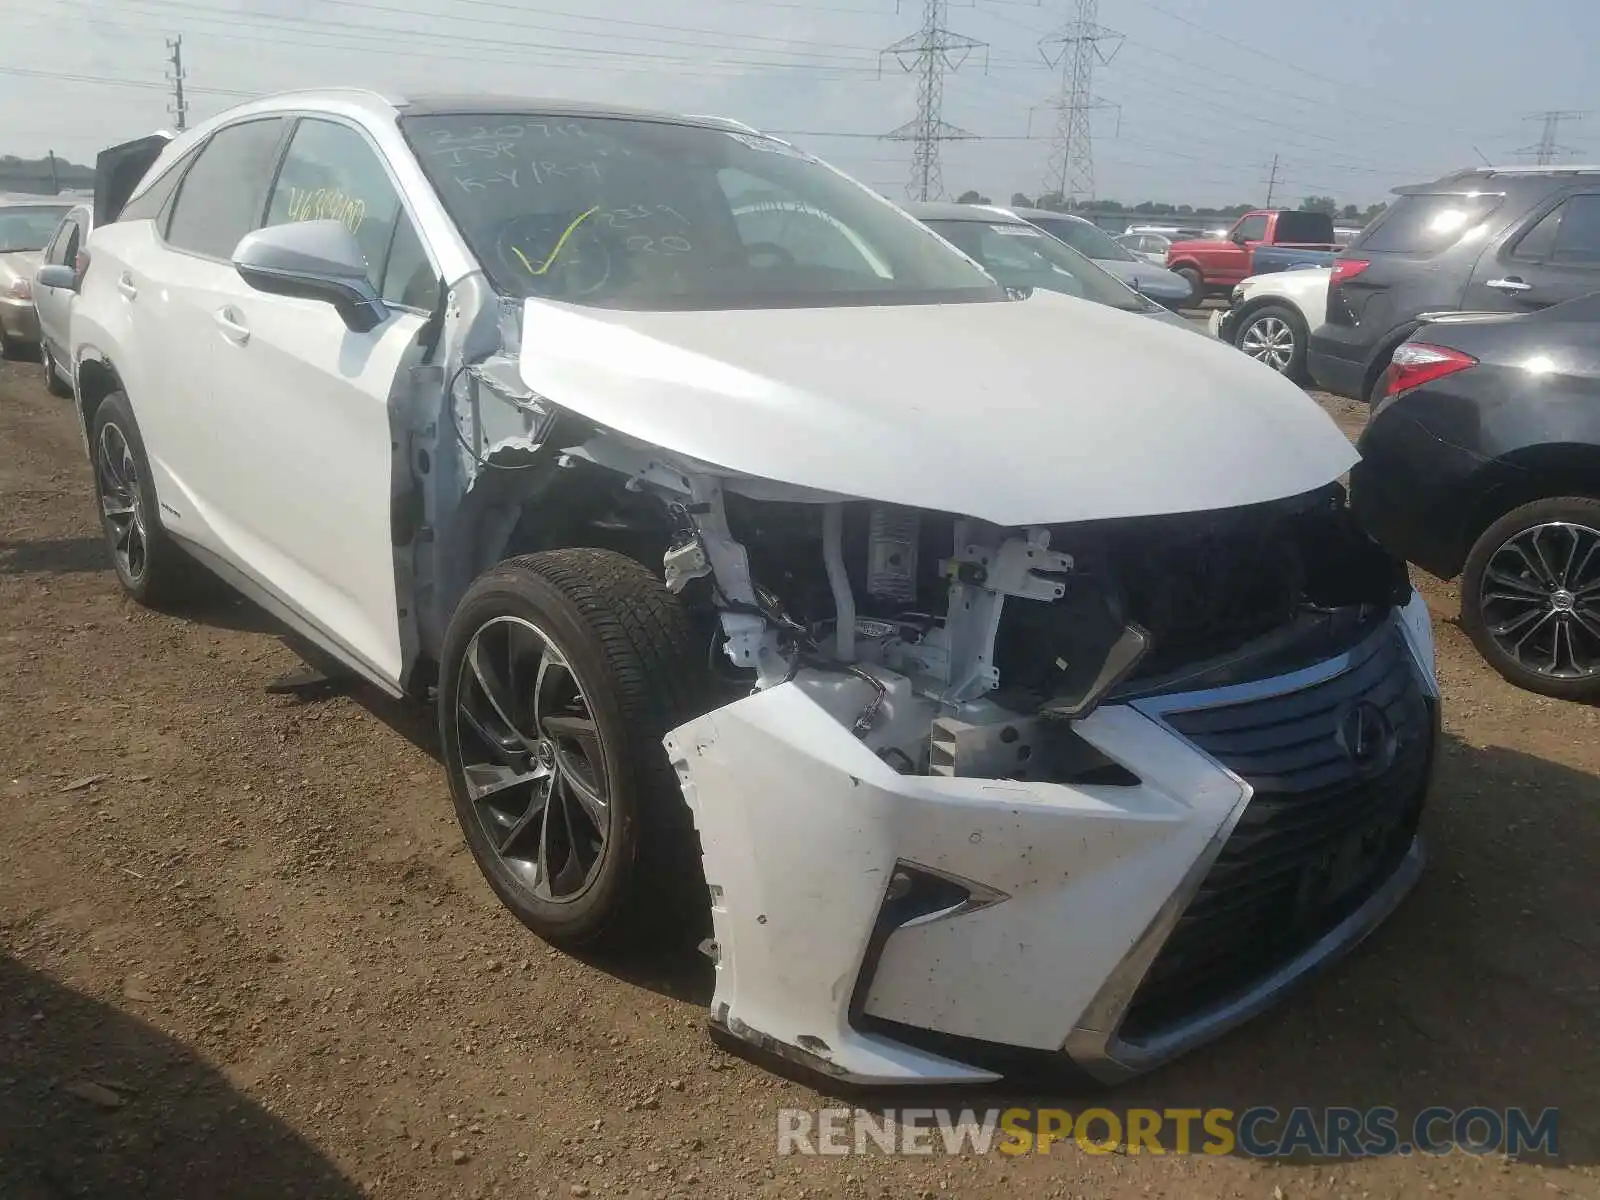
[[168, 273], [55, 304], [1553, 257]]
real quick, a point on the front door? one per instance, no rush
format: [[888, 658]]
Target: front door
[[55, 304], [304, 467]]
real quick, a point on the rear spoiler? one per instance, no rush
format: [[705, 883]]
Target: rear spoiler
[[119, 170]]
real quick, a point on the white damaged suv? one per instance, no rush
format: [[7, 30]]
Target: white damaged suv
[[989, 677]]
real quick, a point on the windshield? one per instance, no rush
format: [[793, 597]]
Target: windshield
[[1083, 237], [640, 214], [28, 227], [1019, 256]]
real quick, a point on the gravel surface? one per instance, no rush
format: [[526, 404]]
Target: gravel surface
[[244, 954]]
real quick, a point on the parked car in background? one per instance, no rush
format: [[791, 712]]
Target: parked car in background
[[1090, 240], [1022, 258], [26, 224], [54, 292], [1152, 247], [1170, 232], [1343, 235], [1269, 317], [1493, 239], [1482, 459], [1265, 260], [1211, 266], [1020, 611]]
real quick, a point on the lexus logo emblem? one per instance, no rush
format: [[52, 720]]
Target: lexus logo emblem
[[1365, 736]]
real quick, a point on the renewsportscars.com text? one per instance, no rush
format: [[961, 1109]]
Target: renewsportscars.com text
[[1258, 1132]]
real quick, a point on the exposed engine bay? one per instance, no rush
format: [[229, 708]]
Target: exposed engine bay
[[954, 647]]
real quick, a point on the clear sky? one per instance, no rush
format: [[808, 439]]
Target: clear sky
[[1355, 96]]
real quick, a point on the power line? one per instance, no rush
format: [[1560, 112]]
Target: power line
[[930, 52], [1076, 48], [106, 81]]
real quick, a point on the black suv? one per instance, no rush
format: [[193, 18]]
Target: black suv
[[1494, 239]]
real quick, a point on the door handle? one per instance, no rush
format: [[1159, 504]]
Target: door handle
[[1510, 285], [127, 287], [227, 320]]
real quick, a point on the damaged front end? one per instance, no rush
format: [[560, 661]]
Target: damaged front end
[[984, 783], [1097, 789]]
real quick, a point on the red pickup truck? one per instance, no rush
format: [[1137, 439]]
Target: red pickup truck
[[1214, 265]]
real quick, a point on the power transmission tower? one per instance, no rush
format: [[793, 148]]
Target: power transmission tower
[[1548, 150], [930, 52], [1076, 48], [180, 106]]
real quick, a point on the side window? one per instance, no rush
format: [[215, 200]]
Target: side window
[[408, 277], [73, 243], [56, 252], [1252, 229], [331, 172], [1537, 243], [219, 200], [1578, 239], [150, 203]]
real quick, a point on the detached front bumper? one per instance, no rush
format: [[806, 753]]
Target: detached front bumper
[[886, 928]]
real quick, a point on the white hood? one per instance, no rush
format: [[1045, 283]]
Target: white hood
[[1040, 411]]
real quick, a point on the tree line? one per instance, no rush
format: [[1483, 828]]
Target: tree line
[[1156, 208]]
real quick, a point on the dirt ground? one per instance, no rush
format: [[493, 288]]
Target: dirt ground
[[243, 952]]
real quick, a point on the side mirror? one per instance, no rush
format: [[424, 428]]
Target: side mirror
[[316, 260], [1236, 238], [56, 275]]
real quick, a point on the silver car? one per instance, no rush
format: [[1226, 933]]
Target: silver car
[[52, 302], [1087, 238], [1151, 247], [26, 226], [1021, 258]]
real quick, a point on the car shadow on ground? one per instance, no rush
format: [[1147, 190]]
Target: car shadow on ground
[[94, 1102], [1482, 990], [54, 556]]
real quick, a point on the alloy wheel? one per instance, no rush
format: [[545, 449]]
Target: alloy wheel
[[1269, 340], [532, 759], [120, 503], [1540, 596]]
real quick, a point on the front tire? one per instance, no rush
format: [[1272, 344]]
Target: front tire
[[1197, 291], [560, 675], [1530, 597], [149, 564], [1275, 336]]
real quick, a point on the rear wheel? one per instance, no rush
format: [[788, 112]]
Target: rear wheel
[[1276, 336], [1530, 597], [1197, 291], [561, 673], [8, 349], [149, 564]]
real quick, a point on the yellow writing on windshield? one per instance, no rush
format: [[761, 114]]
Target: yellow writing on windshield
[[560, 242]]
